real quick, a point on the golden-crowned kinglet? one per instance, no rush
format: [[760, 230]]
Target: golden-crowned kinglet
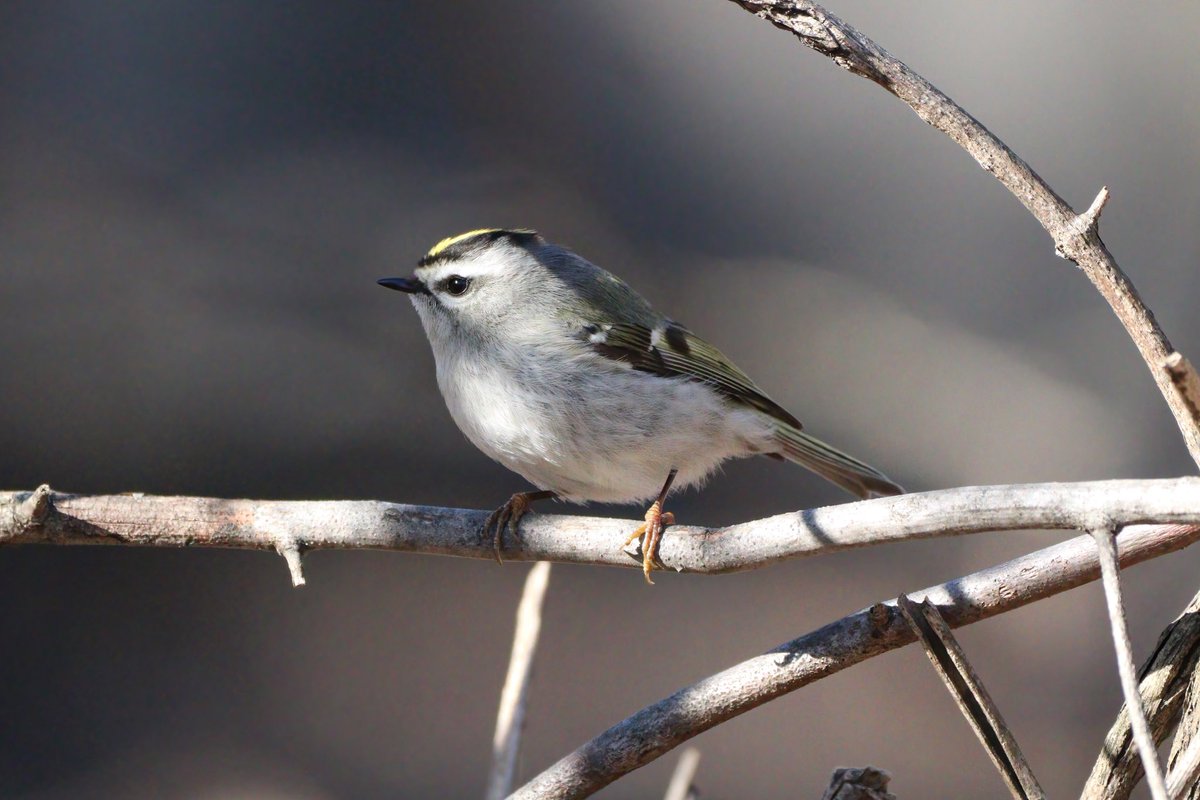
[[565, 375]]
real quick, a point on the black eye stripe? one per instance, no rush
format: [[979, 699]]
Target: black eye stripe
[[455, 285]]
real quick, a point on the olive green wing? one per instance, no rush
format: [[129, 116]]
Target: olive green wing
[[669, 349]]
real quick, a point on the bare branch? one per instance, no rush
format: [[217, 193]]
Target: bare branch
[[510, 720], [366, 524], [973, 700], [1110, 570], [1164, 680], [656, 729], [1076, 236]]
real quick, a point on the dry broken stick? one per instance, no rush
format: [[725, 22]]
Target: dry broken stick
[[1076, 236], [656, 729], [973, 700]]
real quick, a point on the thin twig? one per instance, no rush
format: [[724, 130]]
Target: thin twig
[[656, 729], [1106, 546], [1164, 682], [510, 720], [684, 775], [1076, 236], [973, 700], [365, 524]]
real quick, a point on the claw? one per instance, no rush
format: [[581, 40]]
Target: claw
[[507, 516], [650, 532]]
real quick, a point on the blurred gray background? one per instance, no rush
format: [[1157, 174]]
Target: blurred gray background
[[196, 200]]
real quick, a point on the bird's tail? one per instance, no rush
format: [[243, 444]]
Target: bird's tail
[[832, 464]]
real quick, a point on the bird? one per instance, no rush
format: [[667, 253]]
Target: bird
[[558, 370]]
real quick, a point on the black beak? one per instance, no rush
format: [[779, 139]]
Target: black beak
[[407, 285]]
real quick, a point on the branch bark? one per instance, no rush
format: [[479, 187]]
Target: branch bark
[[304, 525], [1185, 758], [656, 729], [1182, 780], [1076, 236]]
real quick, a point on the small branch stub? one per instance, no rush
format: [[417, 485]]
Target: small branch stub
[[1086, 225], [292, 555], [1091, 217], [37, 507], [1187, 382]]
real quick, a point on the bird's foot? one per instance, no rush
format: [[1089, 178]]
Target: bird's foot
[[507, 516], [650, 532]]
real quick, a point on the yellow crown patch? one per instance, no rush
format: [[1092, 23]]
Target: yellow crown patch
[[450, 241]]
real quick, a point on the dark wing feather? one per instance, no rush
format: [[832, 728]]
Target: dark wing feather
[[680, 353]]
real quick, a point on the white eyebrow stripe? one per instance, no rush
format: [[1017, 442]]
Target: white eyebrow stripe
[[482, 264]]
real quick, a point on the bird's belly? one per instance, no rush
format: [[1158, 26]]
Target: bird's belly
[[608, 437]]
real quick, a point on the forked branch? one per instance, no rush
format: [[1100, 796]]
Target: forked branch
[[647, 734]]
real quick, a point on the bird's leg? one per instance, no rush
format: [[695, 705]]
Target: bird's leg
[[508, 515], [651, 531]]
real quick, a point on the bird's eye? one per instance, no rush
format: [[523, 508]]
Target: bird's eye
[[456, 285]]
